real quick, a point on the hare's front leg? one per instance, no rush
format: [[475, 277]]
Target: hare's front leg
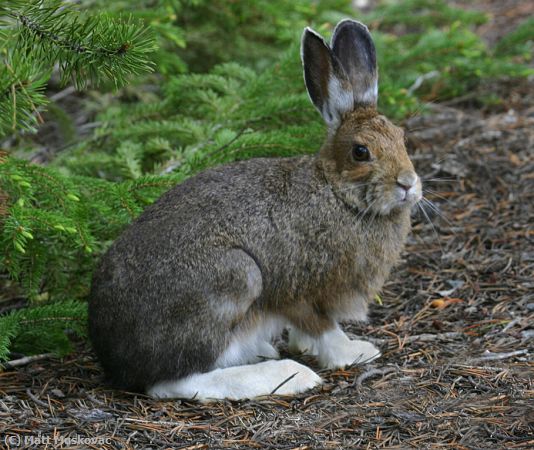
[[333, 348]]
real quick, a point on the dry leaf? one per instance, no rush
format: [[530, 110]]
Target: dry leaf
[[442, 303]]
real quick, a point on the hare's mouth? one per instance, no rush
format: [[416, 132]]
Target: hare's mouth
[[373, 198], [384, 199]]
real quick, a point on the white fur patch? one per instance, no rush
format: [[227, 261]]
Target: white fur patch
[[251, 347], [340, 101], [334, 348], [300, 342], [285, 377], [370, 95]]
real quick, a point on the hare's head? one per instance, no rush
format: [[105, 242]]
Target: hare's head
[[364, 156]]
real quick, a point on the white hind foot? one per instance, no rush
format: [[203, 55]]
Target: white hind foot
[[334, 348], [285, 377]]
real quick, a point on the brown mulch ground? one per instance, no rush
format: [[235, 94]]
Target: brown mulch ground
[[456, 328]]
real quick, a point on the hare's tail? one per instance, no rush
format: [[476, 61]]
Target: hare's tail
[[284, 377]]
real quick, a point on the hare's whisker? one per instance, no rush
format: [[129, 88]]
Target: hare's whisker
[[431, 206], [430, 191], [434, 208], [431, 224], [438, 161], [361, 215], [441, 180]]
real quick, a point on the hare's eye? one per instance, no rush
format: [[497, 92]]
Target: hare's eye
[[360, 153]]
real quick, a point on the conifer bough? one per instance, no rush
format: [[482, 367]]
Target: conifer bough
[[38, 34], [86, 48]]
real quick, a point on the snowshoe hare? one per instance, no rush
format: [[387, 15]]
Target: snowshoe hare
[[188, 299]]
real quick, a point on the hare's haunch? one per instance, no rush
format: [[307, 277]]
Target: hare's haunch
[[187, 301]]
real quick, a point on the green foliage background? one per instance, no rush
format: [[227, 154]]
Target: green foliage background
[[171, 88]]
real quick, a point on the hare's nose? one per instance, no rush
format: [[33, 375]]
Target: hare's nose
[[406, 187], [406, 180]]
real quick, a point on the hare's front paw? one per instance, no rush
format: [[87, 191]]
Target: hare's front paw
[[335, 350], [289, 377]]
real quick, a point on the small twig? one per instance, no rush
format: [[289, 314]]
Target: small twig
[[62, 94], [460, 99], [26, 360], [497, 434], [284, 382], [419, 81], [95, 400], [488, 356], [36, 400], [227, 144], [512, 324], [372, 373], [155, 422], [427, 337], [468, 366]]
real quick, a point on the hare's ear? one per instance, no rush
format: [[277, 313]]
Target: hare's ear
[[327, 83], [353, 46]]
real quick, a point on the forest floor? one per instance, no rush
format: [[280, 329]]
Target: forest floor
[[456, 327]]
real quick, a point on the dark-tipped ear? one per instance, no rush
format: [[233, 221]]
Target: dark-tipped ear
[[327, 83], [353, 46]]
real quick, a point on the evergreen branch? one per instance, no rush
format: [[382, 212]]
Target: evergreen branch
[[21, 92], [43, 33], [87, 49], [19, 329], [62, 42]]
